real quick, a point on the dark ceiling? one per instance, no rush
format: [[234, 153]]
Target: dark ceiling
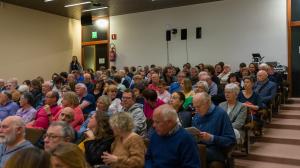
[[116, 7]]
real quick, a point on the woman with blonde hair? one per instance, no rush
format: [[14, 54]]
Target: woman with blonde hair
[[70, 99], [68, 155], [128, 148], [188, 92]]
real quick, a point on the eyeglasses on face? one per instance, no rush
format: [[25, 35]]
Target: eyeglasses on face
[[51, 136]]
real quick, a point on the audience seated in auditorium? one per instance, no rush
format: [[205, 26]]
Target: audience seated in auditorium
[[98, 138], [49, 110], [68, 155], [136, 112], [169, 135], [7, 106], [215, 128], [57, 133], [87, 101], [236, 111], [128, 148], [12, 138], [185, 117], [26, 111], [29, 158]]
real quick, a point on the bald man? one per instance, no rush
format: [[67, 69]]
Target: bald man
[[170, 145], [265, 88], [12, 138], [215, 128]]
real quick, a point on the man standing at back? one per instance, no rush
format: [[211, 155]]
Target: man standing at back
[[12, 138], [170, 145]]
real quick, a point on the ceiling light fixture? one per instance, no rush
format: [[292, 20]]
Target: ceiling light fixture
[[77, 4], [95, 9], [48, 0]]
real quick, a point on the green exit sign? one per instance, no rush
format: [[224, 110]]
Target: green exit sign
[[94, 35]]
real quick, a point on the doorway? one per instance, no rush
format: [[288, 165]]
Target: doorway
[[95, 56]]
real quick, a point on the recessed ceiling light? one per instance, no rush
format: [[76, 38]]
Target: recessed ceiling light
[[77, 4], [48, 0], [95, 9]]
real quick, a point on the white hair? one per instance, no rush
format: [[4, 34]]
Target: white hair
[[232, 87], [23, 88], [168, 112], [204, 84]]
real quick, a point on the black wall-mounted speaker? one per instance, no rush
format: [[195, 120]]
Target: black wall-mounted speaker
[[168, 35], [198, 32], [183, 34], [86, 19]]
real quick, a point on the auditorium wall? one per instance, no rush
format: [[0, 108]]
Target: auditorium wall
[[231, 31], [34, 43]]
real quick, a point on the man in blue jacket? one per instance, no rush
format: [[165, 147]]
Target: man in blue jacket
[[265, 88], [216, 130], [171, 146]]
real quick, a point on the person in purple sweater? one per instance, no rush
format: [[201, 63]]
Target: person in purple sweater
[[170, 145]]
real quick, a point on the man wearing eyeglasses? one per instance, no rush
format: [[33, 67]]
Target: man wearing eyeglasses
[[57, 133], [12, 138], [135, 109]]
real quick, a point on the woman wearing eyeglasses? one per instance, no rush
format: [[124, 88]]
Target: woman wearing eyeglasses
[[177, 100]]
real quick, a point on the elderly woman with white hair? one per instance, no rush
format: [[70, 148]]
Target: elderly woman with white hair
[[236, 111], [201, 86]]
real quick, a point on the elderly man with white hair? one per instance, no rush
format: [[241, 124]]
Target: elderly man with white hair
[[170, 145], [236, 111], [12, 138], [87, 101], [265, 88], [215, 128]]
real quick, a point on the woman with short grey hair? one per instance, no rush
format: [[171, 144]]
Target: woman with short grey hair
[[201, 86], [236, 110], [128, 148]]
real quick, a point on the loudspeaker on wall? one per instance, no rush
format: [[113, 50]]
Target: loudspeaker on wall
[[168, 35], [86, 20], [198, 32], [183, 34]]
